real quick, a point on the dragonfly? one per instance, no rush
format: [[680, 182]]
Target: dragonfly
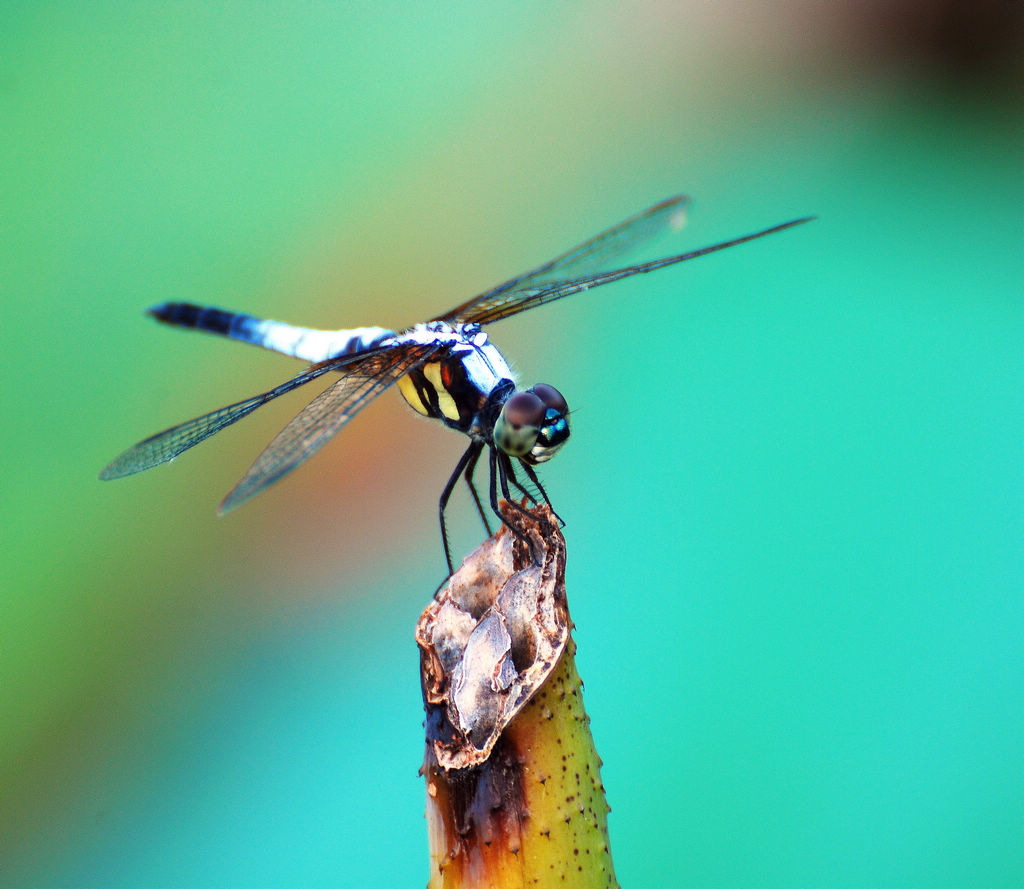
[[446, 369]]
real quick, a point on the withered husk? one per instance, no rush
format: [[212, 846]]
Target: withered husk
[[491, 637]]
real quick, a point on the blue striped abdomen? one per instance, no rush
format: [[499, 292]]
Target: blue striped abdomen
[[307, 343]]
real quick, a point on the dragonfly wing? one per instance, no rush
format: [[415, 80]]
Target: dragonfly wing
[[168, 444], [324, 416], [528, 296], [586, 259]]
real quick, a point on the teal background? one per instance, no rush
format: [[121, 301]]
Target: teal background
[[794, 493]]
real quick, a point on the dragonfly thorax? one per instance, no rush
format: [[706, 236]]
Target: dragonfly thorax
[[460, 385], [470, 387]]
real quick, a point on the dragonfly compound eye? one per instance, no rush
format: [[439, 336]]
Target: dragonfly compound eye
[[554, 428], [518, 424]]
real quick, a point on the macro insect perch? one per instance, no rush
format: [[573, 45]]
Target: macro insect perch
[[514, 795], [446, 369]]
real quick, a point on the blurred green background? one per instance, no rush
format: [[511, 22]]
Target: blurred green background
[[794, 493]]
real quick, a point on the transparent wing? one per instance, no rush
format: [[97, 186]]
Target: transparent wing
[[524, 297], [168, 444], [581, 261], [324, 416]]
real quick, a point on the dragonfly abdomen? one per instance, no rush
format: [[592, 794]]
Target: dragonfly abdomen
[[307, 343]]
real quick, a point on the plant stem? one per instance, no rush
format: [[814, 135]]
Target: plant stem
[[514, 793]]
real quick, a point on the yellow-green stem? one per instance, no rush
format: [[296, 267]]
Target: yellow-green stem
[[533, 813]]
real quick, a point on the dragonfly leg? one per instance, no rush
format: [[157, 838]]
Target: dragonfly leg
[[528, 469], [500, 468], [511, 472], [497, 472], [466, 462], [470, 469]]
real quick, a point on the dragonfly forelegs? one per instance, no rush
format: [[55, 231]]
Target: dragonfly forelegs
[[532, 476], [468, 475], [467, 463], [510, 470], [501, 471]]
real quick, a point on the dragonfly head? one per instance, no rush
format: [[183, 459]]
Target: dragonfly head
[[533, 424]]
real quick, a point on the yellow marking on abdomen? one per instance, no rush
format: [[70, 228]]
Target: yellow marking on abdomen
[[409, 393], [445, 402], [432, 374]]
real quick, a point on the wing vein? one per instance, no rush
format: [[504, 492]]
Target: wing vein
[[167, 445], [324, 416]]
